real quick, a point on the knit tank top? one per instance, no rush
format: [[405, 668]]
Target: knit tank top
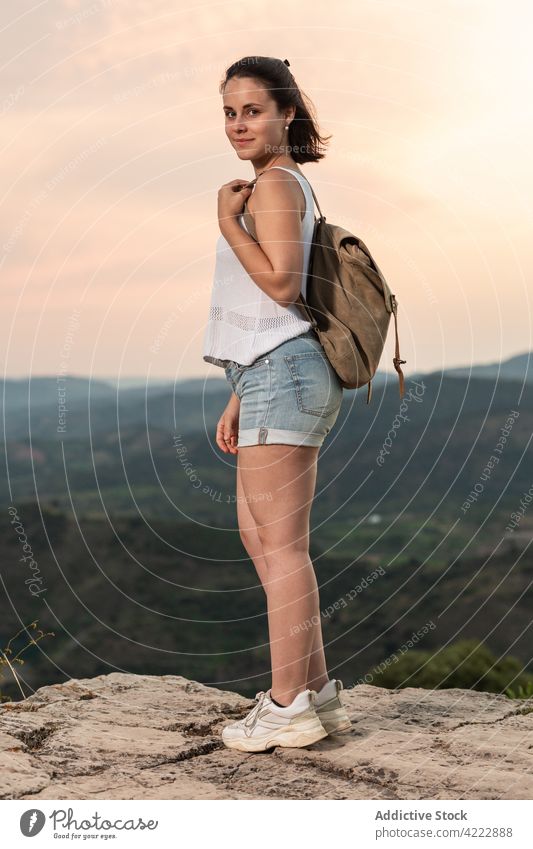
[[244, 322]]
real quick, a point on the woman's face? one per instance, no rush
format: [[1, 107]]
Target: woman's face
[[252, 121]]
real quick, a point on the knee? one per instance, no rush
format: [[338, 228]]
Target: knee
[[273, 542], [251, 541]]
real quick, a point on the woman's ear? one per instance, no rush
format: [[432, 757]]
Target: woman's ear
[[290, 116]]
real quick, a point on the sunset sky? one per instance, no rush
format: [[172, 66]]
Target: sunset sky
[[114, 150]]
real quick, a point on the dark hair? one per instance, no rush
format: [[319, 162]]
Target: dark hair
[[305, 141]]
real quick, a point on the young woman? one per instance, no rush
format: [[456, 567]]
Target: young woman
[[286, 396]]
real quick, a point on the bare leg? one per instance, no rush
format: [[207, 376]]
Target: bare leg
[[248, 532], [317, 672], [278, 482]]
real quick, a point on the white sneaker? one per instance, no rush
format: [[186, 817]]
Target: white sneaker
[[329, 708], [269, 725]]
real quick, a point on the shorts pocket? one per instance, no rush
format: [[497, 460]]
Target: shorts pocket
[[317, 387]]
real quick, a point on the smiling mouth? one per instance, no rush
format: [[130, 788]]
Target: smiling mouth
[[243, 141]]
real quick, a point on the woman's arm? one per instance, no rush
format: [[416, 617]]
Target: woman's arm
[[275, 264]]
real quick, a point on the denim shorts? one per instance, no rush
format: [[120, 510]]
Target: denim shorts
[[290, 395]]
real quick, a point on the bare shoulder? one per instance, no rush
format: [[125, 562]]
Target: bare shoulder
[[278, 176], [279, 186]]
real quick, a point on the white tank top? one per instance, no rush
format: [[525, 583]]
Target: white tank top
[[244, 322]]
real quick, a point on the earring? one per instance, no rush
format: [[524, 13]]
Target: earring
[[286, 126]]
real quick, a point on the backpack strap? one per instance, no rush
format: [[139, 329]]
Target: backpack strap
[[396, 359]]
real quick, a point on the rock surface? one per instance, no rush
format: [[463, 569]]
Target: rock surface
[[123, 736]]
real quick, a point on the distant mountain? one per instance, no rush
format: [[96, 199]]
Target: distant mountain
[[34, 405], [515, 368], [45, 390], [25, 391]]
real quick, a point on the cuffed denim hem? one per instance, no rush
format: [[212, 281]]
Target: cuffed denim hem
[[276, 436]]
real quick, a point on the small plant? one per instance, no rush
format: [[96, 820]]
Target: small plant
[[6, 661], [521, 692]]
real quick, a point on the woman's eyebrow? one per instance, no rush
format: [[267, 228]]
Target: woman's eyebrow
[[244, 107]]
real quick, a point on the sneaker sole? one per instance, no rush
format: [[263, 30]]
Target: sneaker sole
[[288, 739]]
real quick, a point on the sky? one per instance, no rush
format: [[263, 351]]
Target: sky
[[113, 151]]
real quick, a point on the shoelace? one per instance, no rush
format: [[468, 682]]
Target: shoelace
[[251, 719]]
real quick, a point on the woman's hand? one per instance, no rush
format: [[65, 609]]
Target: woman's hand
[[231, 199], [228, 426]]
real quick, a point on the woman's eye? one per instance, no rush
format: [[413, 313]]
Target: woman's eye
[[232, 114]]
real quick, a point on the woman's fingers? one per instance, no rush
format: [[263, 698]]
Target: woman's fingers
[[231, 442], [226, 439], [219, 439], [233, 184]]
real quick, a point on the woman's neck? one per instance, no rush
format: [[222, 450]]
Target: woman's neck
[[284, 161]]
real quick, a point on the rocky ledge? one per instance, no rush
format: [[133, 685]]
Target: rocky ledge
[[123, 736]]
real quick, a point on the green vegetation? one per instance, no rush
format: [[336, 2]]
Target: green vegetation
[[521, 692], [158, 596], [467, 664], [8, 660], [142, 568]]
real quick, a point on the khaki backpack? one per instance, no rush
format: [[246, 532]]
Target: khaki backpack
[[348, 302]]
